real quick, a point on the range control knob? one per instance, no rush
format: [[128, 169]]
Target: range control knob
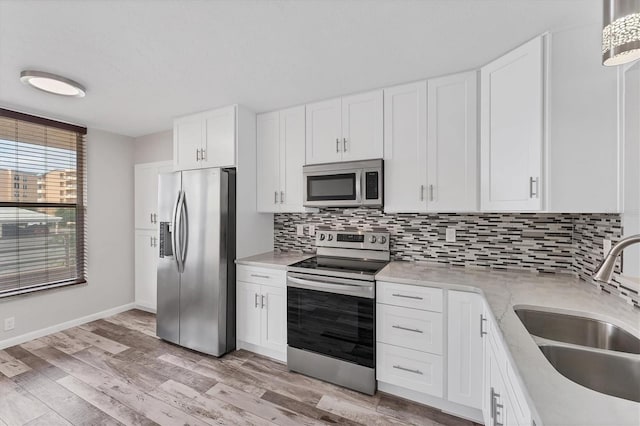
[[322, 237], [383, 240], [330, 237], [372, 239]]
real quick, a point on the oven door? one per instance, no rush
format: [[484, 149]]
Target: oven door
[[332, 316], [340, 188]]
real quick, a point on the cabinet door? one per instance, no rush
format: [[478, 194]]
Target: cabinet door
[[267, 167], [292, 148], [188, 137], [324, 131], [465, 361], [452, 143], [248, 312], [362, 125], [146, 263], [274, 318], [146, 195], [405, 148], [219, 144], [512, 130]]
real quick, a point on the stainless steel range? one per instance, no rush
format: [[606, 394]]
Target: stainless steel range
[[331, 309]]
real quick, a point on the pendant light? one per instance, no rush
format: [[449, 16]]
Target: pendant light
[[52, 83], [620, 32]]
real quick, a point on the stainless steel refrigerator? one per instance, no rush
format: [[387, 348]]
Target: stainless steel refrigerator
[[196, 270]]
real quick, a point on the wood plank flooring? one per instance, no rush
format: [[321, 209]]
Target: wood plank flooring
[[116, 372]]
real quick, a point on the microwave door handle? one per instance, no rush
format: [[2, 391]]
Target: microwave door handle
[[359, 186]]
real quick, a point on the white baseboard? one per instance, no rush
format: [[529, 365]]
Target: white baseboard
[[147, 307], [17, 340], [260, 350]]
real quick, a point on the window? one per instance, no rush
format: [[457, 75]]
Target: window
[[42, 235]]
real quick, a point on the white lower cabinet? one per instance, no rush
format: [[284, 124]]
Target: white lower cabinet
[[442, 348], [261, 313], [146, 263], [464, 340]]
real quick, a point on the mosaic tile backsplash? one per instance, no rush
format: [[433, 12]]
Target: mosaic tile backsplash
[[538, 242]]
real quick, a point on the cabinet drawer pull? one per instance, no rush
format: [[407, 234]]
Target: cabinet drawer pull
[[399, 367], [344, 145], [430, 192], [255, 300], [406, 297], [337, 145], [260, 276], [532, 193], [482, 321], [197, 155], [203, 154], [263, 305], [415, 330], [281, 197], [275, 197], [421, 192]]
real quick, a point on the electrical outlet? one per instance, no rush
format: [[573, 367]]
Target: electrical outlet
[[300, 230], [9, 323], [312, 230], [606, 246], [450, 235]]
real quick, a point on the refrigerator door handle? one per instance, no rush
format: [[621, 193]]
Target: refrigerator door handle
[[173, 229], [177, 232], [184, 231]]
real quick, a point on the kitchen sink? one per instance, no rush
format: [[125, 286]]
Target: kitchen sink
[[610, 374], [578, 330]]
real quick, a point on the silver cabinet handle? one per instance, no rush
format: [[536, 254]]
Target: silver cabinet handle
[[260, 276], [337, 145], [203, 154], [430, 192], [482, 321], [495, 419], [281, 197], [150, 241], [155, 218], [421, 192], [414, 330], [275, 197], [399, 367], [532, 193], [255, 300], [406, 297], [263, 305], [344, 144], [151, 217], [197, 155]]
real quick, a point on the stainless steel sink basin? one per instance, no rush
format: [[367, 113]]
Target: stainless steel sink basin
[[611, 374], [578, 330]]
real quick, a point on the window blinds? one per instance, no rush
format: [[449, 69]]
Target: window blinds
[[42, 203]]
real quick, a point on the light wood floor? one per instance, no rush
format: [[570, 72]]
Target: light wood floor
[[115, 371]]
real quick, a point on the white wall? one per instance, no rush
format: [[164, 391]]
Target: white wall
[[631, 137], [153, 147], [110, 245]]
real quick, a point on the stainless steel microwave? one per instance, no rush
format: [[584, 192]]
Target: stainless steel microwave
[[347, 184]]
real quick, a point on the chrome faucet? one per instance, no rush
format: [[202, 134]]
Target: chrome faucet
[[604, 272]]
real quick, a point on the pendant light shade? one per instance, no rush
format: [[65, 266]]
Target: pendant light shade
[[620, 32]]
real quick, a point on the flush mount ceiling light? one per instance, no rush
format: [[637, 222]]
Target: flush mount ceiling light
[[52, 83], [620, 32]]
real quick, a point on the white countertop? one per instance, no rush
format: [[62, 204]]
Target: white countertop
[[556, 399], [275, 260]]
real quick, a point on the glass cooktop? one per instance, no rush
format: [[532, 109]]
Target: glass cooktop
[[328, 265]]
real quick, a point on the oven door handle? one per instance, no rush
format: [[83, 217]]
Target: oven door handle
[[365, 291]]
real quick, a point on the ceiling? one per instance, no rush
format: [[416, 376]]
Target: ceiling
[[145, 62]]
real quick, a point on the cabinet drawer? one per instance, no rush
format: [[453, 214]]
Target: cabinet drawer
[[266, 276], [410, 296], [409, 369], [409, 328]]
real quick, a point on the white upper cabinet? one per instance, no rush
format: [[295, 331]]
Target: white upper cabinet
[[512, 130], [292, 153], [268, 164], [452, 143], [281, 154], [146, 193], [431, 146], [345, 129], [206, 139], [362, 123], [324, 132], [405, 147]]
